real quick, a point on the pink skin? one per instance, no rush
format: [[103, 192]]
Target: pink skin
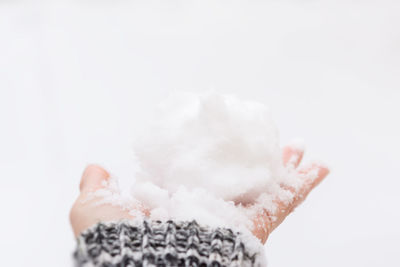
[[84, 214]]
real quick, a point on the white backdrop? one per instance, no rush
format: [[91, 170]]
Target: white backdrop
[[76, 75]]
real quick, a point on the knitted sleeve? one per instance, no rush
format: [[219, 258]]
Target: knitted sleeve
[[154, 243]]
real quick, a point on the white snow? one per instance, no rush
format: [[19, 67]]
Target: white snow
[[210, 157]]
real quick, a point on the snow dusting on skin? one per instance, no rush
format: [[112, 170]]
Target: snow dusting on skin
[[209, 157]]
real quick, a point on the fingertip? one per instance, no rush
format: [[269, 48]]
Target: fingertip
[[292, 155], [93, 178], [323, 171], [314, 172]]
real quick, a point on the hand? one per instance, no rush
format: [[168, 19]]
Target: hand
[[85, 212], [264, 221]]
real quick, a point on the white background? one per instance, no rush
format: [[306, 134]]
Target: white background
[[77, 76]]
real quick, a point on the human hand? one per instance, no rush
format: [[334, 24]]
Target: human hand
[[87, 212]]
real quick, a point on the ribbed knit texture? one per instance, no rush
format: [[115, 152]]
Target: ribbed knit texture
[[161, 244]]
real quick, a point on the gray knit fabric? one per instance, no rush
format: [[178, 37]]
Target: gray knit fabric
[[161, 244]]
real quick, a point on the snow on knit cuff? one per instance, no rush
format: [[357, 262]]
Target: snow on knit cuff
[[155, 243]]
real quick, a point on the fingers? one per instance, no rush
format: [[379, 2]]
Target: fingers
[[93, 178], [312, 175], [265, 222], [292, 155]]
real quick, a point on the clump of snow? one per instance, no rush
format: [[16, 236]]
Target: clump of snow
[[224, 145], [210, 157]]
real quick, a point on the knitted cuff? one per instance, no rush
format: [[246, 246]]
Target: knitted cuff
[[155, 243]]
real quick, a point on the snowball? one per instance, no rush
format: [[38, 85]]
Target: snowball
[[209, 157], [219, 143]]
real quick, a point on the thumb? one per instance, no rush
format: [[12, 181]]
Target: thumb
[[93, 178]]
